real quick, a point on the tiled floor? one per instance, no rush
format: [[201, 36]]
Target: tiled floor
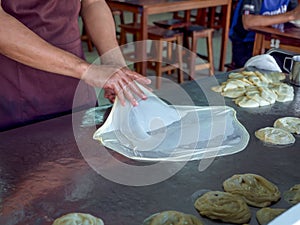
[[92, 56]]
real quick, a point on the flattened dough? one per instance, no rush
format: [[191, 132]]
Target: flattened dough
[[78, 219], [172, 217], [275, 136], [266, 215], [290, 124], [293, 194], [252, 89], [254, 189], [218, 205]]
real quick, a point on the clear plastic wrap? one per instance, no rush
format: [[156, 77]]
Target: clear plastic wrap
[[156, 131]]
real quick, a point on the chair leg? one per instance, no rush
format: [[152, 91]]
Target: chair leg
[[179, 58], [158, 64], [122, 37], [193, 57], [210, 54]]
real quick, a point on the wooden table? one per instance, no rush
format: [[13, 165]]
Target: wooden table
[[266, 37], [44, 173], [150, 7]]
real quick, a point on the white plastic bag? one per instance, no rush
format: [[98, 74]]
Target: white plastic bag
[[264, 62], [156, 131]]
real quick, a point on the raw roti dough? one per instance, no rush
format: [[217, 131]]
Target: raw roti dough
[[266, 215], [252, 89], [254, 189], [172, 217], [275, 136], [78, 219], [218, 205], [290, 124], [293, 194]]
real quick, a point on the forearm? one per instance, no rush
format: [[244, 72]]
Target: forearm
[[250, 21], [100, 25], [21, 44]]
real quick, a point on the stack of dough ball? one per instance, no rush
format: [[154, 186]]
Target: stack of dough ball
[[172, 217], [290, 124], [78, 218], [293, 194], [218, 205], [266, 215], [275, 136], [252, 89], [254, 189]]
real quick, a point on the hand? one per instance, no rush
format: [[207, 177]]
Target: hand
[[116, 82], [297, 12]]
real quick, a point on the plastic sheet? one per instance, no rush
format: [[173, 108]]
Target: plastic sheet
[[156, 131]]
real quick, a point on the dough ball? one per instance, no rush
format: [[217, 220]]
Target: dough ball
[[266, 215], [275, 136], [293, 194], [78, 219], [254, 189], [290, 124], [172, 217], [218, 205]]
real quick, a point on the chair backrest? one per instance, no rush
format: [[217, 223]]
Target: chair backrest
[[280, 56]]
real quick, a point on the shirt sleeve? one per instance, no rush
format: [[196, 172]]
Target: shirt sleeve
[[251, 7], [293, 4]]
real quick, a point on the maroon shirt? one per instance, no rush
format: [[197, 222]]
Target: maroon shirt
[[28, 94]]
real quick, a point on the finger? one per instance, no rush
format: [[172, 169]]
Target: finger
[[136, 90], [129, 96], [120, 93]]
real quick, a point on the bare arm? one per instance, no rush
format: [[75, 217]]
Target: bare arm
[[250, 21], [100, 25], [21, 44]]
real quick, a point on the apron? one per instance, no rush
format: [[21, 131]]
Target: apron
[[27, 94]]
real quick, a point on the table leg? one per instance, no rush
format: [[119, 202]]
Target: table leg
[[144, 37], [226, 10], [258, 44]]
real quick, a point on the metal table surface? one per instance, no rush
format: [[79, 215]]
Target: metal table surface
[[45, 174]]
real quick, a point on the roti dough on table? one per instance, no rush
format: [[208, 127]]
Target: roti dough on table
[[78, 219], [266, 215], [275, 136], [218, 205], [290, 124], [172, 217], [293, 194], [254, 189]]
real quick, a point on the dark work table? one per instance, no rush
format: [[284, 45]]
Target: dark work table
[[54, 167]]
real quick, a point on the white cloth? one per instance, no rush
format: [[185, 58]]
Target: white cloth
[[156, 131], [264, 62]]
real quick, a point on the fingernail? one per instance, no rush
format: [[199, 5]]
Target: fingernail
[[135, 103]]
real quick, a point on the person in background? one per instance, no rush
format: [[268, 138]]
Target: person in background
[[42, 61], [250, 13]]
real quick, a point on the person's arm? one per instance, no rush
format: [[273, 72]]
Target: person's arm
[[251, 20], [21, 44], [100, 25]]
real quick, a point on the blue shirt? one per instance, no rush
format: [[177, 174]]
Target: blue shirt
[[256, 7]]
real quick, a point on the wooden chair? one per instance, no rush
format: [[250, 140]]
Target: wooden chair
[[193, 32], [192, 35], [173, 59], [156, 62]]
